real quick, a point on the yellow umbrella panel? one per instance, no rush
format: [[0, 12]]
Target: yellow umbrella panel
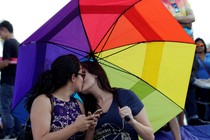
[[158, 72]]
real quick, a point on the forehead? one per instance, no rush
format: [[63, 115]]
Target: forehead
[[2, 28], [199, 42], [81, 68]]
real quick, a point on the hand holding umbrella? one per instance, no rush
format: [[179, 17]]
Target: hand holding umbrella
[[125, 113]]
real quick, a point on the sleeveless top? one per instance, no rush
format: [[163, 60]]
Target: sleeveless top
[[64, 114]]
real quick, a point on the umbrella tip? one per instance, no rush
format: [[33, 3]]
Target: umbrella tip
[[90, 57]]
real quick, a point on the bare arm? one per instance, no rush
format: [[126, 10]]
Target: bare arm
[[174, 125], [4, 63], [41, 122], [186, 21], [140, 123]]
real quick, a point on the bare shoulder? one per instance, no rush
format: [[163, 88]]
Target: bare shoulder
[[42, 101], [41, 115], [42, 98]]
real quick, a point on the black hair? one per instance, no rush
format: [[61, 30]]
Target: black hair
[[200, 39], [6, 24], [49, 81]]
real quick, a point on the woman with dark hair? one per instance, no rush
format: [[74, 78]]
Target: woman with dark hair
[[203, 58], [200, 43], [203, 72], [54, 114], [124, 116]]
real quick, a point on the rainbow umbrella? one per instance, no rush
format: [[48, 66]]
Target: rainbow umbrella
[[138, 42]]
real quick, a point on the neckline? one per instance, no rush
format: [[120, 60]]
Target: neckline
[[61, 99], [108, 110]]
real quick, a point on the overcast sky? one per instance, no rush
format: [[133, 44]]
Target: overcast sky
[[201, 26], [28, 15]]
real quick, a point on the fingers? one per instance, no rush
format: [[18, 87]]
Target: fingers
[[99, 111], [125, 113], [93, 119], [93, 124], [89, 121], [89, 113]]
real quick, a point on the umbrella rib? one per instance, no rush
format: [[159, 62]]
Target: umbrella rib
[[85, 29], [65, 47], [120, 69], [125, 71], [63, 23], [120, 50], [133, 46], [114, 24]]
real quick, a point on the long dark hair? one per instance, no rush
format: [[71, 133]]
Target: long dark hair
[[200, 39], [49, 81], [90, 102]]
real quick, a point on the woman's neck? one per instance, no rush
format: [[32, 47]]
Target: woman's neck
[[201, 55], [106, 97], [63, 94], [101, 95], [104, 100]]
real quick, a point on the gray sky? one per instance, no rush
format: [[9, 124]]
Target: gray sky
[[201, 26]]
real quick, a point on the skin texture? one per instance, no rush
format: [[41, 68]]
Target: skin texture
[[174, 125]]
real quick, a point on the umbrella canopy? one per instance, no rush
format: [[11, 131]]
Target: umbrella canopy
[[138, 42]]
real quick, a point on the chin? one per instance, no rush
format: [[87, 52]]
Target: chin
[[84, 91]]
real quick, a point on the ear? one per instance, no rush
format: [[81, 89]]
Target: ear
[[73, 78]]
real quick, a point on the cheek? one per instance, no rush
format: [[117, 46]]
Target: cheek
[[199, 48], [85, 85]]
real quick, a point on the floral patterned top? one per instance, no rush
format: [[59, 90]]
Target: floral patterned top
[[64, 114]]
